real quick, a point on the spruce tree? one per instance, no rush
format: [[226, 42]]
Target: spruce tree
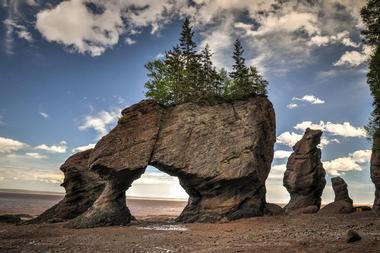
[[210, 79], [257, 82]]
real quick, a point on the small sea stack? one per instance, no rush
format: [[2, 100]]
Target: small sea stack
[[343, 202], [304, 177]]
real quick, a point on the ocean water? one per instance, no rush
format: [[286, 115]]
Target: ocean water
[[34, 203]]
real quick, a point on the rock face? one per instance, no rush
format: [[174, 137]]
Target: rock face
[[221, 153], [375, 177], [304, 176], [343, 202], [82, 187]]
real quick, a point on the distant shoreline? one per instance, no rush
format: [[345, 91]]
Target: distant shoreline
[[61, 194], [48, 193]]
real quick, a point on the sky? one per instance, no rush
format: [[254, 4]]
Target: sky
[[67, 68]]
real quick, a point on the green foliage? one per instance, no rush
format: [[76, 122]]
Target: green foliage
[[373, 80], [184, 75], [371, 17]]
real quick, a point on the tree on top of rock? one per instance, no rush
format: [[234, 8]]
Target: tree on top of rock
[[186, 75], [245, 81]]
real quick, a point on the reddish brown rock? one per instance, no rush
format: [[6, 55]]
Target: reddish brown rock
[[82, 187], [304, 177], [343, 202], [221, 153]]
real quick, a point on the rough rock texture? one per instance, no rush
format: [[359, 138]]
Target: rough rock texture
[[82, 187], [273, 209], [304, 177], [343, 202], [375, 176], [221, 153]]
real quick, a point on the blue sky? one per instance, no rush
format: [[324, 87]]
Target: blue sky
[[67, 68]]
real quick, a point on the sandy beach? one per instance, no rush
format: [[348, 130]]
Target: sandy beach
[[301, 233], [156, 231]]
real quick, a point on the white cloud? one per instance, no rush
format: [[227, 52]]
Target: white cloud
[[289, 139], [277, 172], [354, 58], [36, 155], [130, 41], [23, 175], [72, 24], [352, 162], [344, 129], [342, 37], [83, 148], [60, 148], [292, 105], [100, 122], [310, 99], [281, 154], [9, 145], [43, 114], [20, 30]]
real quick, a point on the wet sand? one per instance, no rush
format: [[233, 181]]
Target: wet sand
[[301, 233]]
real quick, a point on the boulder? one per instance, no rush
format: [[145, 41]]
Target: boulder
[[375, 176], [304, 177], [273, 209], [343, 202], [221, 153], [82, 187]]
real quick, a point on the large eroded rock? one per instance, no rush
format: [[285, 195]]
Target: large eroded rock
[[375, 176], [82, 187], [304, 177], [342, 202], [221, 153]]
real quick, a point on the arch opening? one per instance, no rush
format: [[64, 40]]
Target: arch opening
[[156, 193]]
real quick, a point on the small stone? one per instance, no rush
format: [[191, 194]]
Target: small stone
[[353, 236]]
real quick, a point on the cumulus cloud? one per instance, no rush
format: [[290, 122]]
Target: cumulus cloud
[[352, 162], [100, 122], [60, 148], [344, 129], [281, 154], [310, 99], [342, 37], [277, 172], [282, 35], [354, 58], [84, 148], [9, 145], [289, 139], [72, 24]]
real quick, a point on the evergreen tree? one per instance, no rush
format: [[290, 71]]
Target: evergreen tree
[[210, 79], [258, 83], [245, 81], [371, 17], [240, 70], [191, 63]]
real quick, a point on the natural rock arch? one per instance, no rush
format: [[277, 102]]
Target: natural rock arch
[[221, 153]]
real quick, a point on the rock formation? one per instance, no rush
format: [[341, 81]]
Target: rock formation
[[82, 187], [304, 176], [375, 177], [220, 152], [343, 202]]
